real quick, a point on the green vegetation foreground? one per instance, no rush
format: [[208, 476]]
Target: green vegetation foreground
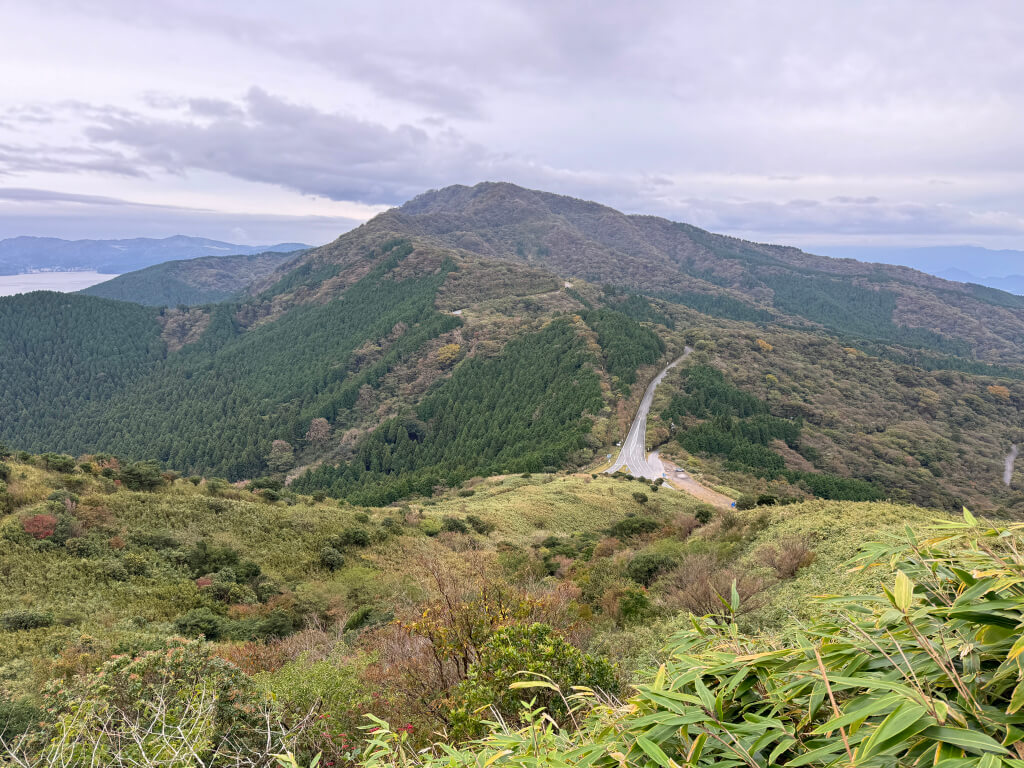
[[448, 617]]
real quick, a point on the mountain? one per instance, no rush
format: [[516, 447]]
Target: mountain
[[206, 280], [27, 254], [1009, 283], [966, 263], [723, 275], [492, 329]]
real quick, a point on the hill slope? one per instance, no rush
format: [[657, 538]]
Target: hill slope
[[452, 337], [205, 280], [24, 254], [723, 275]]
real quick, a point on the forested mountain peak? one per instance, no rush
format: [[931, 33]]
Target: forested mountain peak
[[906, 310]]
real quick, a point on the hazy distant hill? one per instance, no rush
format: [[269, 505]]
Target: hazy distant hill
[[26, 254], [205, 280], [1001, 269]]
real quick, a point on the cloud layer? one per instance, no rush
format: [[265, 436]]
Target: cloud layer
[[799, 121]]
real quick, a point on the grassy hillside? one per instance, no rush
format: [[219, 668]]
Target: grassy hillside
[[206, 280], [934, 438], [350, 609]]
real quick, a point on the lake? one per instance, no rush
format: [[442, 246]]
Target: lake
[[65, 282]]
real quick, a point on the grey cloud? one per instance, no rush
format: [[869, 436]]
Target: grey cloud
[[25, 211], [846, 218], [15, 159], [338, 156]]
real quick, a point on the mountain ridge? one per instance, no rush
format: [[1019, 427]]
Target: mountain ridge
[[27, 253], [203, 280]]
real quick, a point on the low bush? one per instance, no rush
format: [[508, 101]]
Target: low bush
[[647, 566], [521, 654], [25, 618], [786, 557], [631, 527]]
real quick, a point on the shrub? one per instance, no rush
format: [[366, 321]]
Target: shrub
[[647, 566], [332, 692], [704, 513], [361, 517], [639, 497], [84, 547], [114, 570], [195, 480], [535, 649], [40, 526], [483, 527], [141, 710], [5, 471], [746, 501], [353, 537], [787, 557], [204, 558], [18, 620], [136, 565], [699, 585], [201, 622], [58, 462], [331, 559], [632, 527], [453, 525], [430, 526], [635, 607], [465, 493], [391, 525], [266, 483], [16, 719], [217, 485], [154, 540]]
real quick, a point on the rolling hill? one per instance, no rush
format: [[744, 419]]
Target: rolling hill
[[114, 257], [494, 329], [205, 280]]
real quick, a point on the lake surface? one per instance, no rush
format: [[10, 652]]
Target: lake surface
[[64, 282]]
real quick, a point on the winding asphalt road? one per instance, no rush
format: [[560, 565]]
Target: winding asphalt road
[[633, 454]]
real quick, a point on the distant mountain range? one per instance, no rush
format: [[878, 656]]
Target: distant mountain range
[[963, 263], [206, 280], [31, 254]]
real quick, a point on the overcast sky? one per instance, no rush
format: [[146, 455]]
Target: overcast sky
[[817, 122]]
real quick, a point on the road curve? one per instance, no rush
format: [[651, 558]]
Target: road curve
[[633, 454]]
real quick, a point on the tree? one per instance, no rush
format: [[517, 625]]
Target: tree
[[281, 457], [141, 476], [448, 354], [319, 431]]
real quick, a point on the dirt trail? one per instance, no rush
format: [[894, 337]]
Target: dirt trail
[[683, 482]]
